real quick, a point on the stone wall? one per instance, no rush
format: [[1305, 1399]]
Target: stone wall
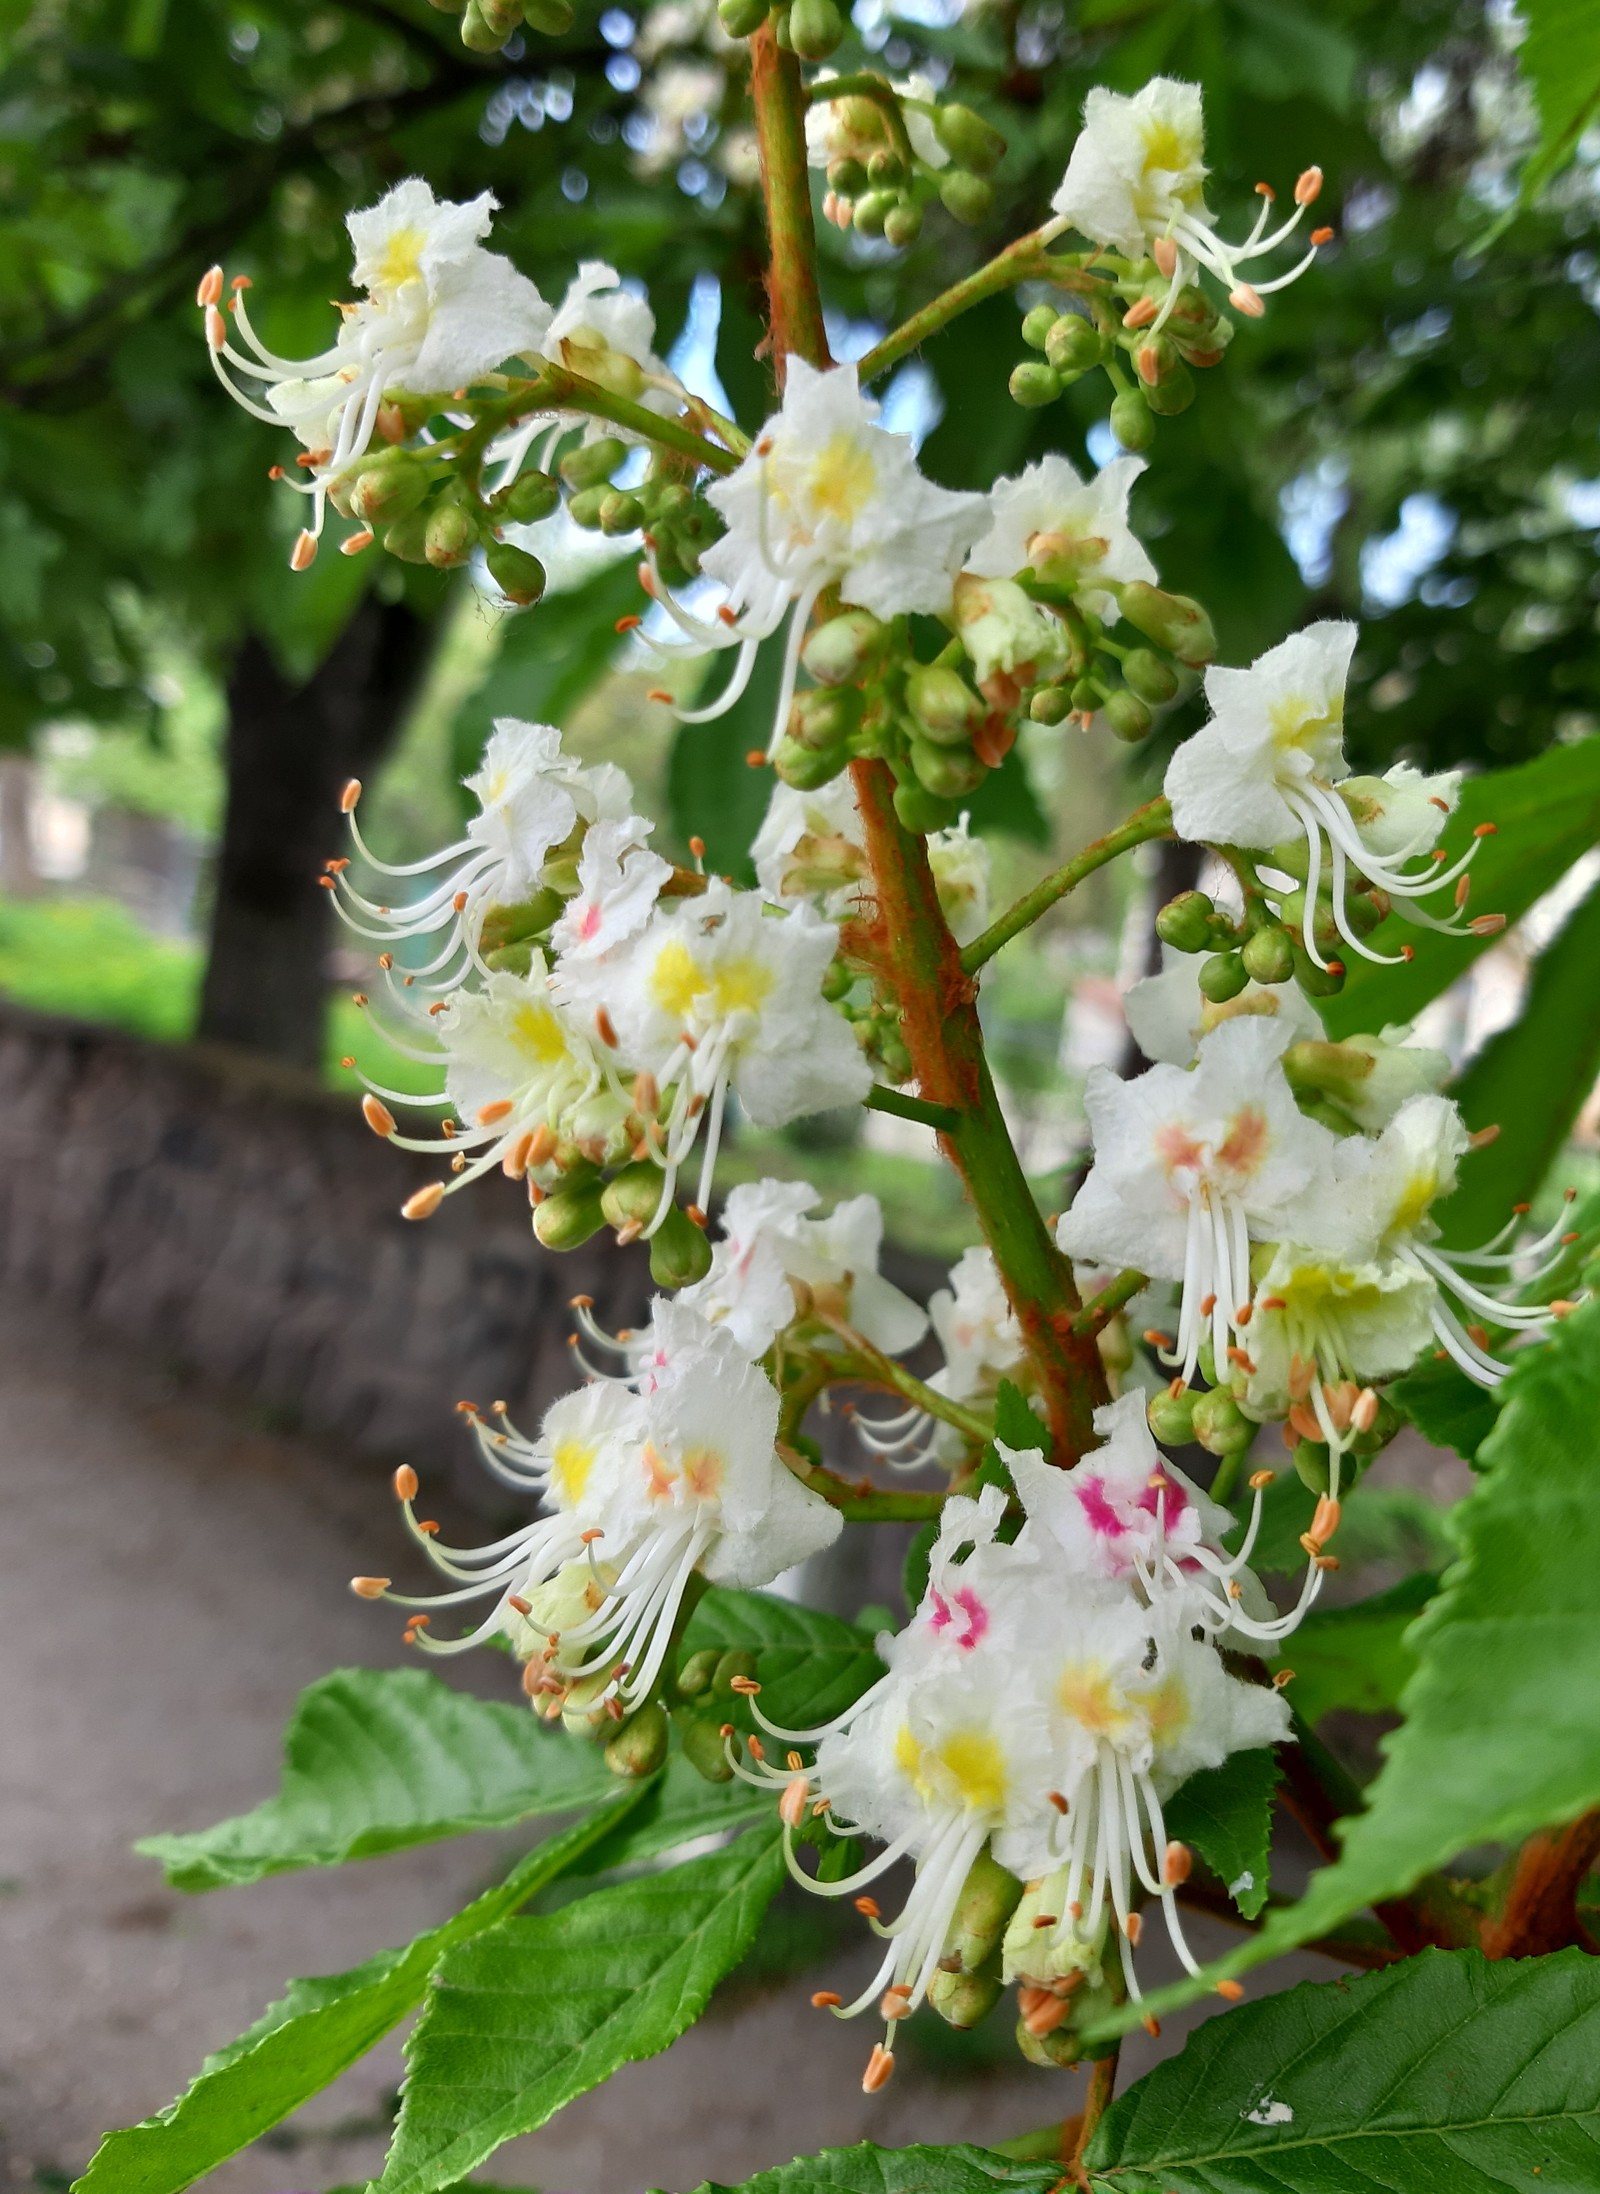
[[240, 1222]]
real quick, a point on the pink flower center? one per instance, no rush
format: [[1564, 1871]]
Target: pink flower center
[[964, 1607]]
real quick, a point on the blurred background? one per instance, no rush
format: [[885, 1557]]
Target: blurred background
[[216, 1330]]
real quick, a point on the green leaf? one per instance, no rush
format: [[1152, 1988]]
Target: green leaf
[[541, 2010], [919, 1557], [1358, 1656], [1547, 814], [712, 792], [311, 2035], [1530, 1080], [1225, 1814], [1443, 2075], [869, 2170], [1447, 1407], [549, 658], [377, 1760], [1560, 58], [1381, 1524], [680, 1805], [1006, 801], [810, 1665], [1499, 1732]]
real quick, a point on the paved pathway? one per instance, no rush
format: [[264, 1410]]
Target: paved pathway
[[174, 1577]]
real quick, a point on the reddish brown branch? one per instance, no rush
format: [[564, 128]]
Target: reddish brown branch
[[1540, 1912]]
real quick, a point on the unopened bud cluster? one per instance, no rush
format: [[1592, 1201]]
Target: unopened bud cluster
[[1196, 334], [487, 24]]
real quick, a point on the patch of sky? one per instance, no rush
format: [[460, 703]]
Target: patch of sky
[[1309, 509], [1393, 566]]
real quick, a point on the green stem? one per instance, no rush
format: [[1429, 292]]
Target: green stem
[[894, 1374], [1151, 821], [794, 304], [864, 85], [1024, 261], [1102, 2087], [880, 1098], [866, 1503], [557, 388], [1100, 1309]]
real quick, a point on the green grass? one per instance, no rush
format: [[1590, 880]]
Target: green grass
[[89, 959]]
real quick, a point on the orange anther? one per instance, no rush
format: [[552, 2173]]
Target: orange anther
[[1308, 188], [826, 1999], [369, 1588], [497, 1110], [210, 288], [868, 1907], [1141, 314], [350, 795], [377, 1115], [304, 553], [1247, 300], [880, 2070], [424, 1203], [1230, 1990]]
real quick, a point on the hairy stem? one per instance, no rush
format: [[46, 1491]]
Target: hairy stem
[[1154, 820], [1024, 261], [1099, 1311], [939, 1022], [794, 304], [558, 389]]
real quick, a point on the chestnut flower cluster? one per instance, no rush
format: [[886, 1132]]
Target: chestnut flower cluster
[[598, 1012]]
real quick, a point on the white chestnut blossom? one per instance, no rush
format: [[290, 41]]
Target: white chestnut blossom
[[770, 1242], [439, 312], [1012, 641], [960, 864], [1136, 183], [1071, 531], [1393, 1182], [619, 882], [644, 1486], [826, 497], [722, 992], [533, 800], [1267, 769], [812, 845], [854, 128], [1169, 1014], [1192, 1167]]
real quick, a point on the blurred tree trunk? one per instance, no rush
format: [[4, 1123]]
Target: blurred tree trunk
[[290, 749], [18, 874]]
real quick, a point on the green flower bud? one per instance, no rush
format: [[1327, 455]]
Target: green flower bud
[[969, 139], [921, 811], [989, 1896], [1292, 912], [633, 1194], [738, 1661], [946, 709], [1128, 716], [1075, 344], [1311, 1465], [902, 224], [407, 538], [780, 30], [950, 772], [1268, 955], [1292, 857], [964, 1999], [805, 768], [530, 497], [697, 1671], [584, 507], [703, 1748], [1060, 2047], [847, 178], [966, 198], [1037, 326], [1220, 1425], [478, 33], [1385, 1425], [1172, 1416], [679, 1251], [1185, 922], [621, 512], [823, 718], [568, 1218], [583, 1710], [593, 462], [1033, 384], [839, 651], [815, 28], [1317, 982], [873, 210], [741, 18], [640, 1745], [1222, 977], [1131, 421], [885, 169], [551, 18], [519, 576], [451, 535], [1154, 358], [387, 492], [1148, 676], [1050, 704], [1173, 621], [1173, 393]]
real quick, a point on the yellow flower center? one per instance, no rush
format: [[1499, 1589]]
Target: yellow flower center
[[1421, 1190], [842, 478], [402, 259], [570, 1464], [1094, 1700], [1300, 723], [677, 979], [537, 1034], [743, 985], [968, 1765], [1166, 1709]]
